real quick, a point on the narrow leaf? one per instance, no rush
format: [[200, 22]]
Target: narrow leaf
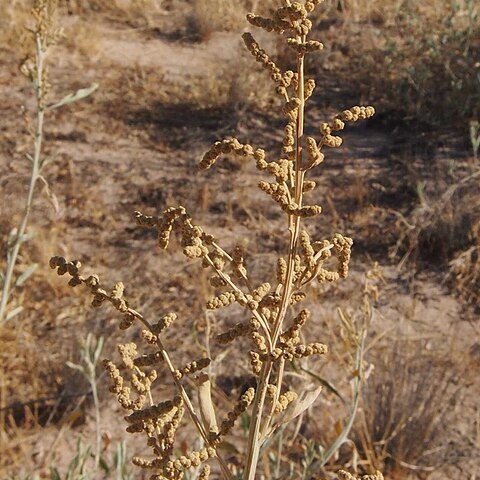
[[51, 196], [24, 276], [297, 408], [207, 410], [98, 350], [13, 313], [104, 465], [325, 383], [54, 474], [74, 366], [74, 97], [305, 402]]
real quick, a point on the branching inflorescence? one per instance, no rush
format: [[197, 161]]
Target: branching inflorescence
[[274, 339]]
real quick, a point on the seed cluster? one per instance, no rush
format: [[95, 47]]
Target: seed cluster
[[239, 330], [343, 475], [291, 352], [230, 146], [291, 336], [192, 367], [280, 193], [245, 401], [100, 295], [284, 400]]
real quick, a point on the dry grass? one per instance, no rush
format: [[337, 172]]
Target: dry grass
[[403, 426], [465, 269], [441, 226]]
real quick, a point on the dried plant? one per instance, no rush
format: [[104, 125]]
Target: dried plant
[[408, 404], [273, 330], [465, 269], [44, 34]]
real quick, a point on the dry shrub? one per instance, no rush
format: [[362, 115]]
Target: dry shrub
[[407, 404], [439, 226], [465, 269]]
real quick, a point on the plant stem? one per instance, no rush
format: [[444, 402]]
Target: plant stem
[[253, 448], [93, 385], [254, 439], [36, 166]]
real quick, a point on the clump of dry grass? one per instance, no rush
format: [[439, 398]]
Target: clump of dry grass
[[138, 13], [407, 404], [465, 269], [442, 231], [438, 226], [274, 330]]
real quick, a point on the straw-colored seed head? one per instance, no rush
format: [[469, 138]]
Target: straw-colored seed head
[[240, 329], [311, 4], [309, 185], [281, 270], [325, 128], [308, 211], [148, 360], [155, 411], [204, 473], [261, 56], [259, 341], [343, 248], [337, 124], [332, 141], [304, 47], [356, 113], [223, 300], [309, 88], [245, 401], [271, 391], [149, 337], [192, 367], [291, 335], [164, 323], [267, 24], [285, 400], [297, 297], [128, 351], [278, 192], [255, 362], [291, 105]]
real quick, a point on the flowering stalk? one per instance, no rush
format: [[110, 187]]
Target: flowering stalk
[[274, 339]]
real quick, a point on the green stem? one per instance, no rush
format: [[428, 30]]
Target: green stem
[[36, 166], [93, 385]]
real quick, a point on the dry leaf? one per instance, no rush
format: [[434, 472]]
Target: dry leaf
[[207, 410]]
